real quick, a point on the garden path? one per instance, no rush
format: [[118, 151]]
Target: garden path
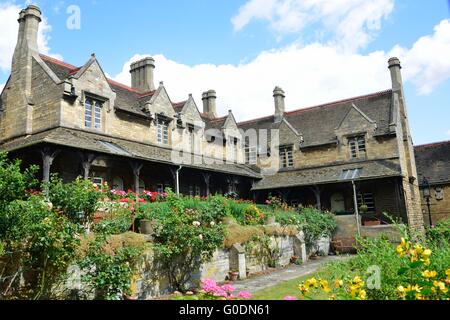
[[271, 279]]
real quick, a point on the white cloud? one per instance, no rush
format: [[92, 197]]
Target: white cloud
[[9, 14], [312, 74], [448, 132], [427, 63], [2, 85], [351, 22]]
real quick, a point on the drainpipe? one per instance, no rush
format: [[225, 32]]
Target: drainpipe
[[178, 180], [355, 198]]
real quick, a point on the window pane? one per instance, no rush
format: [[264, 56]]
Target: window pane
[[88, 113]]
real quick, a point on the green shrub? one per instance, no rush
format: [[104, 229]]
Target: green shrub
[[119, 221], [13, 182], [38, 242], [440, 234], [78, 200], [109, 264], [316, 224], [187, 237]]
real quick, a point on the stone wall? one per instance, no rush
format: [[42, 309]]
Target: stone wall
[[439, 204], [152, 280]]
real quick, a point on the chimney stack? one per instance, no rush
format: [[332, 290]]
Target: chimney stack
[[29, 20], [279, 95], [209, 104], [396, 75], [142, 74]]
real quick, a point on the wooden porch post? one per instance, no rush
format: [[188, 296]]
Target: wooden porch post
[[317, 192], [207, 178], [86, 163], [136, 166], [48, 155]]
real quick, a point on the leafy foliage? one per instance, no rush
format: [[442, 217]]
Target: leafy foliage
[[78, 200], [316, 224]]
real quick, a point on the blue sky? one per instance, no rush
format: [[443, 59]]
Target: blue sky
[[317, 53]]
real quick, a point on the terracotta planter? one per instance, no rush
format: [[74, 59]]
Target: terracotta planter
[[233, 276], [372, 223], [99, 216]]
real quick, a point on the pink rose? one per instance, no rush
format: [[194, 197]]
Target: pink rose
[[290, 298], [244, 295]]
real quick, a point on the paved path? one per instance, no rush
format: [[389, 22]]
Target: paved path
[[293, 272]]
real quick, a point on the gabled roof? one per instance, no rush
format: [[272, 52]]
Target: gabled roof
[[376, 107], [127, 98], [433, 162]]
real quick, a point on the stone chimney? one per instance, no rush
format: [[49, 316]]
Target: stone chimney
[[209, 104], [396, 75], [142, 74], [279, 95], [29, 20]]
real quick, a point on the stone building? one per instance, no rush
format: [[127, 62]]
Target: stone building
[[354, 153], [433, 164]]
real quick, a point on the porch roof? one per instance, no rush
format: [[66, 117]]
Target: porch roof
[[119, 147], [329, 174]]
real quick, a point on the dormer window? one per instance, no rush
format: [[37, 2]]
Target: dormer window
[[286, 157], [93, 113], [357, 147], [162, 131]]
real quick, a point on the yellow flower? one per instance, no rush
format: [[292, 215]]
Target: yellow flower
[[426, 262], [416, 288], [448, 274], [311, 283], [418, 248], [303, 289], [363, 294], [357, 280], [441, 286], [338, 284], [401, 292], [404, 243], [332, 297], [419, 296], [401, 251], [429, 274], [426, 254]]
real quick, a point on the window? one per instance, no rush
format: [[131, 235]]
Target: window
[[98, 181], [191, 138], [368, 200], [357, 147], [93, 113], [191, 191], [250, 152], [160, 188], [198, 191], [286, 157], [232, 148], [162, 132]]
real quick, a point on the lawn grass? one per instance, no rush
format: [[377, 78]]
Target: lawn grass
[[286, 288]]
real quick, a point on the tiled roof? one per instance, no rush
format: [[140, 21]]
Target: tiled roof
[[376, 106], [433, 162], [90, 141], [329, 174], [128, 99]]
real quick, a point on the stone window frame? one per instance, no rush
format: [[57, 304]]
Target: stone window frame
[[286, 156], [357, 146], [102, 102], [251, 153], [162, 131]]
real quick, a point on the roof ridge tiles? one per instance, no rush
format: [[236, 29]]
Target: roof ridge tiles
[[325, 105], [432, 145]]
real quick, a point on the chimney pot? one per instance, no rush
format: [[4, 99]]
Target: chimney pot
[[209, 103], [279, 95]]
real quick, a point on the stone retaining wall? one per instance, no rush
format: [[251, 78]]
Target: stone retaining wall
[[152, 281]]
